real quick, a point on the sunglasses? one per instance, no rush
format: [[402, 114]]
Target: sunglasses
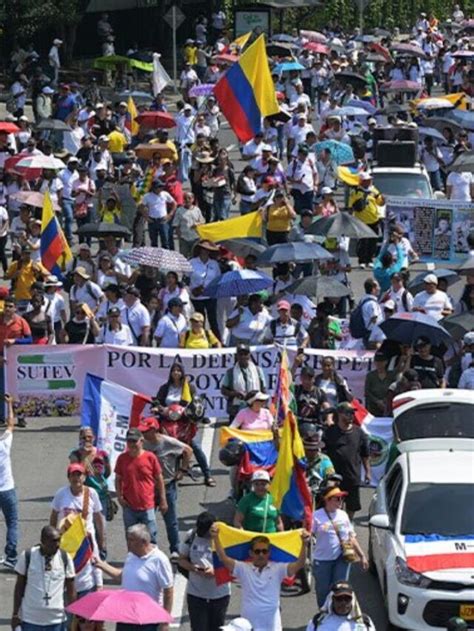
[[343, 599], [260, 550]]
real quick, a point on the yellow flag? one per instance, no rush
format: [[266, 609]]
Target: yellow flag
[[186, 392], [242, 40], [249, 225], [132, 125], [73, 538]]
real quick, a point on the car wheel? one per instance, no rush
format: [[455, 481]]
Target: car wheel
[[370, 554]]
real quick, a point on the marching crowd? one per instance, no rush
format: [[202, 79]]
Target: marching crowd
[[185, 180]]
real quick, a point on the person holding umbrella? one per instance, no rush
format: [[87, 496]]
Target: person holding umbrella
[[365, 201]]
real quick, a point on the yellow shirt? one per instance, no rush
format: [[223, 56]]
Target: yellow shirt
[[279, 219], [110, 216], [169, 144], [190, 55], [27, 276], [206, 339], [117, 142], [368, 203]]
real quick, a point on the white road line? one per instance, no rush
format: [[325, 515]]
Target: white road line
[[180, 581]]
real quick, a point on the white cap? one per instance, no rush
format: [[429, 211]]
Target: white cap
[[84, 115], [238, 624], [98, 105], [468, 338], [104, 138], [72, 160], [47, 90], [265, 147], [187, 107], [326, 190], [57, 42], [365, 176], [389, 304], [258, 396], [431, 278], [371, 121], [23, 118], [260, 474]]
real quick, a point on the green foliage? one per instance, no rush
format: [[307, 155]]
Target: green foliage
[[26, 18]]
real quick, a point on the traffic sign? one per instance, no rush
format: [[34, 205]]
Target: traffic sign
[[174, 17]]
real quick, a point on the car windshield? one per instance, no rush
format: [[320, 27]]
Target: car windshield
[[435, 420], [411, 185], [422, 515]]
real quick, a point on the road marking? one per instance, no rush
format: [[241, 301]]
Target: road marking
[[179, 591]]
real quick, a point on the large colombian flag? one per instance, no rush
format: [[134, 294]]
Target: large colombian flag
[[76, 542], [284, 547], [246, 92], [260, 449], [55, 251]]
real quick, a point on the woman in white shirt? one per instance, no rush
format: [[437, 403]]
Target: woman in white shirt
[[114, 331], [171, 325], [173, 289], [205, 269], [460, 185]]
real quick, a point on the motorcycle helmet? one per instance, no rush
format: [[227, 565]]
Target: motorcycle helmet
[[231, 454], [196, 409], [175, 412]]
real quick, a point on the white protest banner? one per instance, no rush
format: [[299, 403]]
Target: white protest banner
[[437, 229], [380, 436], [49, 380]]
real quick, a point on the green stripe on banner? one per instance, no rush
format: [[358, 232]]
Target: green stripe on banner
[[59, 358], [34, 385]]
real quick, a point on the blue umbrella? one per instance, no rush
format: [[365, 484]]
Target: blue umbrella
[[297, 252], [286, 66], [136, 94], [340, 152], [283, 37], [237, 283], [368, 107], [406, 328], [432, 133], [461, 117], [350, 110], [417, 284]]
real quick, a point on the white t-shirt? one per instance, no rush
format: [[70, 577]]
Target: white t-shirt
[[6, 474], [203, 273], [40, 583], [461, 183], [136, 317], [251, 327], [433, 304], [260, 602], [169, 329], [150, 574], [371, 309], [65, 503], [122, 337], [3, 221], [400, 298], [157, 204], [328, 547], [90, 293], [106, 305], [467, 379]]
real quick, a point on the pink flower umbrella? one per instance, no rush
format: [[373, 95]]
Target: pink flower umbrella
[[120, 605]]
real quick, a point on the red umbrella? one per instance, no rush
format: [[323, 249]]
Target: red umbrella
[[8, 128], [28, 174], [156, 120], [401, 86], [378, 48], [314, 36], [317, 47]]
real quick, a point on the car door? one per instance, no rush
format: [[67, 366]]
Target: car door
[[389, 502]]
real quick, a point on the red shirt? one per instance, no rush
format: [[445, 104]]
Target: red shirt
[[138, 479], [14, 330]]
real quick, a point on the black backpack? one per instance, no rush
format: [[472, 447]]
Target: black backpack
[[356, 322]]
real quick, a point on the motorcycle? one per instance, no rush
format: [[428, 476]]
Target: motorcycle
[[181, 422]]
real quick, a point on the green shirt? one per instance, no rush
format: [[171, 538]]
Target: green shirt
[[254, 509]]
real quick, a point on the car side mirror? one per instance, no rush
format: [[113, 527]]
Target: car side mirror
[[380, 521]]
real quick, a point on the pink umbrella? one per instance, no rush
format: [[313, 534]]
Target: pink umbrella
[[120, 605], [401, 86], [316, 47], [314, 36]]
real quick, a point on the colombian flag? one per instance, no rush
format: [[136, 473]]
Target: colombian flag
[[246, 92], [131, 115], [289, 487], [249, 225], [55, 251], [260, 450], [284, 547], [76, 542]]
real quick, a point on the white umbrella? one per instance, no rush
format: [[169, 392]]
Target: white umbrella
[[42, 162], [435, 104]]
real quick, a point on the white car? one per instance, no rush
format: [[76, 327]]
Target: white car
[[421, 519]]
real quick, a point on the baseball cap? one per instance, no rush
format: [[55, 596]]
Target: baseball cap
[[47, 90], [175, 302], [134, 291], [84, 246], [158, 184], [134, 434], [266, 147], [238, 624], [243, 348], [113, 311], [258, 396], [4, 292], [346, 408], [326, 190], [76, 468], [380, 356], [389, 305], [431, 279], [283, 304], [422, 341], [260, 474], [342, 588], [145, 424], [57, 42], [468, 338]]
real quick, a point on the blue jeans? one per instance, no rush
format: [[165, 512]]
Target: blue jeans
[[326, 573], [201, 458], [435, 180], [164, 230], [245, 207], [171, 516], [28, 626], [147, 517], [221, 204], [9, 508], [68, 214]]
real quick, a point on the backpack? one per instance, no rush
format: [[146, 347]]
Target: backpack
[[297, 325], [188, 541], [188, 333], [357, 326]]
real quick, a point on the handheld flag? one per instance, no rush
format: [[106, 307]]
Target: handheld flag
[[160, 77], [260, 450], [76, 542], [246, 92], [284, 397], [284, 547], [186, 392], [249, 225], [56, 254], [241, 41], [132, 113]]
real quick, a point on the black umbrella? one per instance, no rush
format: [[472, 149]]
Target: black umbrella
[[464, 162], [408, 50], [53, 124], [417, 284], [280, 49], [467, 268], [406, 328], [318, 286], [439, 123], [394, 108], [350, 77], [342, 224], [243, 247], [459, 325], [295, 252], [282, 117], [103, 229]]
